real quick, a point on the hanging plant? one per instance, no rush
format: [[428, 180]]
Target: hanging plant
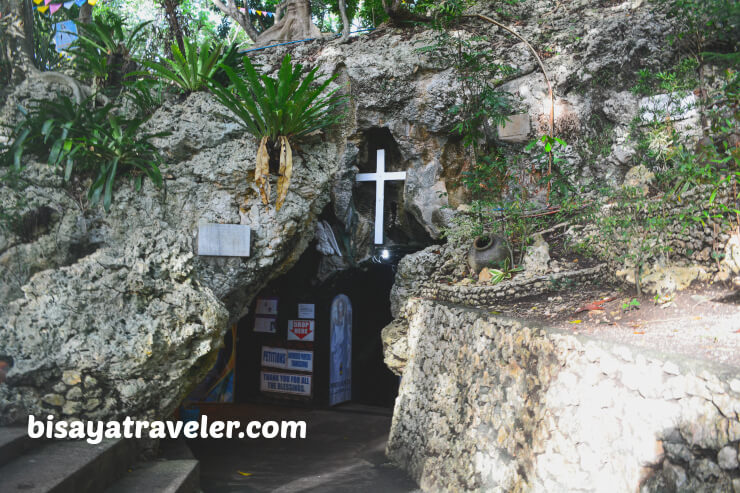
[[279, 111]]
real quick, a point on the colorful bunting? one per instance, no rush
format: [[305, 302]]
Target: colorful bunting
[[53, 7], [257, 12]]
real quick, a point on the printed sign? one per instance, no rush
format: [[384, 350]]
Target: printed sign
[[340, 367], [285, 383], [266, 306], [306, 310], [265, 324], [301, 330], [274, 357], [300, 360], [290, 359]]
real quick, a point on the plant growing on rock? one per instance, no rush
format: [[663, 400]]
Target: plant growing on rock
[[278, 111], [191, 70], [86, 141], [104, 51]]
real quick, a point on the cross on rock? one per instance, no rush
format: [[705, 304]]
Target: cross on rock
[[380, 177]]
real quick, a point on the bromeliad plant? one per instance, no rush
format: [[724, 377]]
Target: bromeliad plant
[[190, 71], [278, 111], [80, 140], [105, 50]]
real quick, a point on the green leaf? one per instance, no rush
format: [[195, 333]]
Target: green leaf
[[108, 195]]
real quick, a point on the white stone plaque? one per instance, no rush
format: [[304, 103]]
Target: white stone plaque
[[224, 240], [516, 129]]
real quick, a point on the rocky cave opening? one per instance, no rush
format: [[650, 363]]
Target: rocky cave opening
[[368, 287]]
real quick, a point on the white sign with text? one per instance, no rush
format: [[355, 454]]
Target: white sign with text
[[285, 383]]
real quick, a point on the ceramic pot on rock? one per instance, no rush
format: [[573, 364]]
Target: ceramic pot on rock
[[488, 251]]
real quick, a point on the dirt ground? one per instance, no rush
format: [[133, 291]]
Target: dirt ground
[[701, 322]]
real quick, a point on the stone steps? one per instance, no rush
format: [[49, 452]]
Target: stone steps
[[166, 476], [66, 466], [14, 442]]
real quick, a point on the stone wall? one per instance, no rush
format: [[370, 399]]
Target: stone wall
[[490, 404], [518, 287]]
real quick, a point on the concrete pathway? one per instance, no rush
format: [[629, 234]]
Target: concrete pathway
[[342, 452]]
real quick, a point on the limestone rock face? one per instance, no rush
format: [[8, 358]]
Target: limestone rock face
[[112, 314]]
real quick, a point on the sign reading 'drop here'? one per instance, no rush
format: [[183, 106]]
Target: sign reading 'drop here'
[[285, 383], [224, 240], [301, 330], [288, 359]]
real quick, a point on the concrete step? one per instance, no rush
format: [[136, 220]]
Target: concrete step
[[163, 476], [14, 442], [68, 467]]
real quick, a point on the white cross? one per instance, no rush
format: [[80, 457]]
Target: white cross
[[380, 177]]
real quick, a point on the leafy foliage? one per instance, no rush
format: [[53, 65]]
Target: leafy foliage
[[192, 70], [81, 140], [279, 110], [105, 49]]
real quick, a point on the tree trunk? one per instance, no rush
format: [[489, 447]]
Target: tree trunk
[[345, 20], [170, 10], [18, 37], [85, 15], [293, 26]]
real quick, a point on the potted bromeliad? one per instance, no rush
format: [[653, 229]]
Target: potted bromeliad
[[279, 112]]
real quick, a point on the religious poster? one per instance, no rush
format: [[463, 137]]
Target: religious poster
[[301, 330], [218, 385], [285, 383], [306, 310], [266, 306], [340, 366], [267, 325]]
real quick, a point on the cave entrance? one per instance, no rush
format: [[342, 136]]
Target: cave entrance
[[368, 288]]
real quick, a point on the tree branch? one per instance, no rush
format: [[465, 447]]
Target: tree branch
[[241, 18]]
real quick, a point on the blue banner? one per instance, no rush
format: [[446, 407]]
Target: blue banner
[[66, 33]]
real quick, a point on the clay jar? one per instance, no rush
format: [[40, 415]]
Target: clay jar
[[487, 251]]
